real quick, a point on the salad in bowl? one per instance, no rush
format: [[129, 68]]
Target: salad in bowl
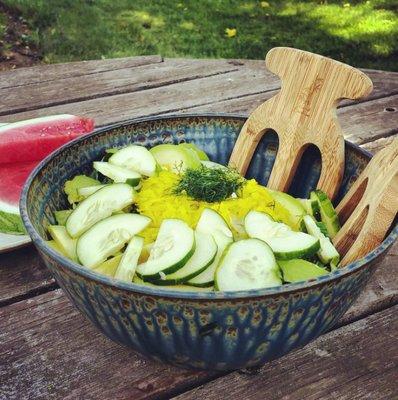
[[168, 216]]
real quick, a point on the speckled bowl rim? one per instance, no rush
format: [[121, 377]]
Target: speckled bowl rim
[[158, 291]]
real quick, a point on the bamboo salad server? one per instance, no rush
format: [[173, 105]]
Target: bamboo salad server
[[303, 113]]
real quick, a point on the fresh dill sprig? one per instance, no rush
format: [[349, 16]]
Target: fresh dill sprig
[[209, 184]]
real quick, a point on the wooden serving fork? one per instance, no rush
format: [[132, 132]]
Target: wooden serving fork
[[369, 208], [302, 113]]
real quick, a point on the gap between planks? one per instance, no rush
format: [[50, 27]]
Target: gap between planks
[[347, 363], [57, 354], [55, 72], [107, 84]]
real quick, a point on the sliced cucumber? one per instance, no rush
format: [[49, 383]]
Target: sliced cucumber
[[300, 270], [72, 186], [62, 215], [175, 158], [64, 241], [293, 206], [311, 207], [327, 252], [146, 250], [212, 164], [89, 190], [128, 264], [174, 246], [327, 212], [117, 174], [211, 223], [183, 288], [204, 255], [245, 265], [201, 154], [108, 236], [135, 158], [99, 205], [285, 243], [53, 244], [109, 267]]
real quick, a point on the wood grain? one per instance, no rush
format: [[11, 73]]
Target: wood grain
[[49, 351], [369, 208], [22, 274], [302, 113], [164, 99], [54, 72], [107, 83], [358, 361]]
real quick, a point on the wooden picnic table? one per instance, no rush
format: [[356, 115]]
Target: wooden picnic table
[[49, 351]]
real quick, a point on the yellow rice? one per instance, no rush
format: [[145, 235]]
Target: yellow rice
[[157, 201]]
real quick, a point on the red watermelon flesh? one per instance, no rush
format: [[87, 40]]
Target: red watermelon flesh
[[12, 179], [34, 139]]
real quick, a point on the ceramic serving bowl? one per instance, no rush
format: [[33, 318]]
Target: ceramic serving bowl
[[214, 330]]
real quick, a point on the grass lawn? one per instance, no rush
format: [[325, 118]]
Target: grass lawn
[[361, 33]]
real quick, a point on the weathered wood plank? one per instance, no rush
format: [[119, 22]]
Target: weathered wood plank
[[378, 144], [22, 274], [108, 83], [355, 362], [361, 123], [170, 98], [49, 351], [54, 72], [381, 291]]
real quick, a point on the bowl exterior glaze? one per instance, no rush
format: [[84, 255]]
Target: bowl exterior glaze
[[220, 331]]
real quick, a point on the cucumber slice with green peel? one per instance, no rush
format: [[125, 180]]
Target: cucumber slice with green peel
[[89, 190], [284, 242], [135, 158], [327, 252], [175, 158], [211, 223], [298, 270], [128, 264], [174, 246], [98, 206], [204, 255], [183, 288], [293, 206], [201, 154], [63, 241], [61, 216], [311, 207], [109, 266], [246, 265], [327, 212], [116, 173], [108, 236]]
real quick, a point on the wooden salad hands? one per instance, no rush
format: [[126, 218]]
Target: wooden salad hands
[[302, 113], [369, 208]]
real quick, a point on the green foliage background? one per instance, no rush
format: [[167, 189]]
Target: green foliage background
[[361, 33]]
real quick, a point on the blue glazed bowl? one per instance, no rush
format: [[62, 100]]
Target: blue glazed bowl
[[215, 330]]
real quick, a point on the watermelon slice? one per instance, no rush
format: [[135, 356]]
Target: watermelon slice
[[22, 145], [12, 178], [34, 139]]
